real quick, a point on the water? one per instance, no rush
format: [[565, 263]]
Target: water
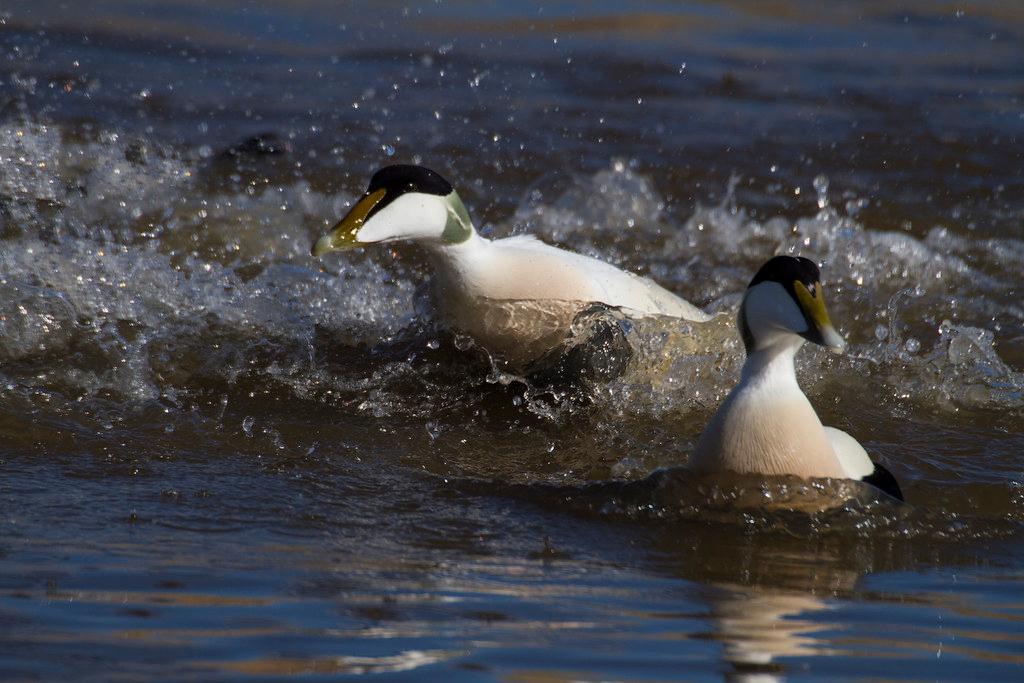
[[224, 460]]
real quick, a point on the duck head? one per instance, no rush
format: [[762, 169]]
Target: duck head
[[784, 304], [402, 202]]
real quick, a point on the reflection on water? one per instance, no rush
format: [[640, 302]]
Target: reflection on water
[[221, 459], [758, 628]]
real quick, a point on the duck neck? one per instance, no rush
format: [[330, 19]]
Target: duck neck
[[773, 364], [459, 236], [451, 258], [455, 264]]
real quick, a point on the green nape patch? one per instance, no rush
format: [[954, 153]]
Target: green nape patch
[[459, 227]]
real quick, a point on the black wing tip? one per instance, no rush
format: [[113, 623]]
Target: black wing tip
[[883, 480]]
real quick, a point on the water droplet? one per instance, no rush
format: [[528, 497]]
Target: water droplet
[[881, 332], [247, 425], [475, 81], [912, 345], [821, 187], [854, 206], [389, 150]]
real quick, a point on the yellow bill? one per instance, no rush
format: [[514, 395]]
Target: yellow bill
[[812, 301], [344, 235]]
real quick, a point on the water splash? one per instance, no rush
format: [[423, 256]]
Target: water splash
[[123, 274]]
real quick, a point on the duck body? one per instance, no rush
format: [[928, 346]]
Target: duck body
[[517, 297], [766, 425]]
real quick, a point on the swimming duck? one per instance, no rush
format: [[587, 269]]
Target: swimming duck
[[516, 296], [766, 425]]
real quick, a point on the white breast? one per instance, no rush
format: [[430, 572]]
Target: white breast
[[767, 426]]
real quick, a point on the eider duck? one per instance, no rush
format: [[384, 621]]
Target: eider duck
[[517, 296], [766, 425]]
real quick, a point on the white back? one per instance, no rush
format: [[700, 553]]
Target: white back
[[524, 268]]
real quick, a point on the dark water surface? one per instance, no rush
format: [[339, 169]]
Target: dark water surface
[[221, 459]]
